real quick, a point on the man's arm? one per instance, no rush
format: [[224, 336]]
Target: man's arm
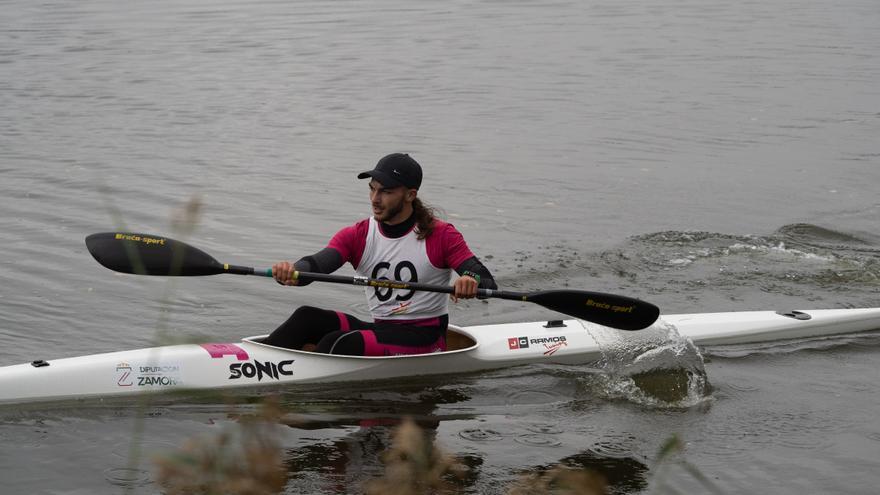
[[346, 246], [327, 260], [475, 269]]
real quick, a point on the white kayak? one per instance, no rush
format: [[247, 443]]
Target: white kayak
[[250, 363]]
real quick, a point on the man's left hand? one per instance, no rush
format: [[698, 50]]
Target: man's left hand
[[465, 288]]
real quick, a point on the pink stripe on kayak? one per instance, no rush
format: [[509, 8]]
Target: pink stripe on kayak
[[220, 350]]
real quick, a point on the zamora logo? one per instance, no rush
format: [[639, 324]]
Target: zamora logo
[[260, 370], [152, 381]]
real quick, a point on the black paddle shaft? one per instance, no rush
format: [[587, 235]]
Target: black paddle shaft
[[145, 254], [621, 312]]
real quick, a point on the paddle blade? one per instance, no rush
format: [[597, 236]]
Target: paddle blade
[[145, 254], [621, 312]]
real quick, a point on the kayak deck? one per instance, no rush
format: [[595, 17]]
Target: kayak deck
[[251, 363]]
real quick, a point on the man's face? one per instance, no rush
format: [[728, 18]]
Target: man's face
[[389, 202]]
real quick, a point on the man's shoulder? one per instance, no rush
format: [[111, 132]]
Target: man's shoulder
[[352, 231], [362, 224], [443, 227], [445, 233], [446, 246], [350, 241]]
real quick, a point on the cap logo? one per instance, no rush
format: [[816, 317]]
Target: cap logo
[[396, 172]]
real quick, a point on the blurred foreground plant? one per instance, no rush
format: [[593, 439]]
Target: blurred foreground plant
[[671, 455], [246, 459], [241, 460], [414, 465], [561, 480]]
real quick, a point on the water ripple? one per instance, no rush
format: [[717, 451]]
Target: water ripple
[[127, 477], [538, 440], [615, 445], [521, 397], [481, 435], [545, 429]]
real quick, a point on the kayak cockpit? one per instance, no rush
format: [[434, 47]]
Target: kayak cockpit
[[457, 340]]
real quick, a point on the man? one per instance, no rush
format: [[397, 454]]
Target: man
[[402, 241]]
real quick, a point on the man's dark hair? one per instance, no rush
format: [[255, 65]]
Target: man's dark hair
[[425, 216]]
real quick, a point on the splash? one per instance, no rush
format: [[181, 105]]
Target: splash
[[655, 367], [795, 255], [802, 261]]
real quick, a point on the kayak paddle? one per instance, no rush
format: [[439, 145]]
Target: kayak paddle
[[145, 254]]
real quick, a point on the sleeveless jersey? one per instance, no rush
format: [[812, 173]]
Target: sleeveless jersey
[[404, 259]]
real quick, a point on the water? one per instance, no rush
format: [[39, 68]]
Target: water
[[706, 156]]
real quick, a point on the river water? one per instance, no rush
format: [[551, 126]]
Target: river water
[[706, 156]]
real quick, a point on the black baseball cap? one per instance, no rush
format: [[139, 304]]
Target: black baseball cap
[[396, 169]]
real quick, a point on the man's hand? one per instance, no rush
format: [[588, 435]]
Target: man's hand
[[465, 288], [283, 273]]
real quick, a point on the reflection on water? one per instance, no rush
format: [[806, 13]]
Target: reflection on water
[[364, 454], [623, 474], [333, 450], [332, 440]]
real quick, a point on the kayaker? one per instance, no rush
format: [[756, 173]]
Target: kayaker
[[403, 240]]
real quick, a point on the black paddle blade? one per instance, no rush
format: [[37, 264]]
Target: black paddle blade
[[621, 312], [144, 254]]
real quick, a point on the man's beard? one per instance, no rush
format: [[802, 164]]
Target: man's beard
[[392, 212]]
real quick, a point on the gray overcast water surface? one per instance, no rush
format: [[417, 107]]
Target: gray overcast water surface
[[703, 155]]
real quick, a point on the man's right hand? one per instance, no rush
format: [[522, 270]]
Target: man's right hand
[[283, 273]]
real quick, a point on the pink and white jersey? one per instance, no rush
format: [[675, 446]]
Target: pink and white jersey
[[407, 259]]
